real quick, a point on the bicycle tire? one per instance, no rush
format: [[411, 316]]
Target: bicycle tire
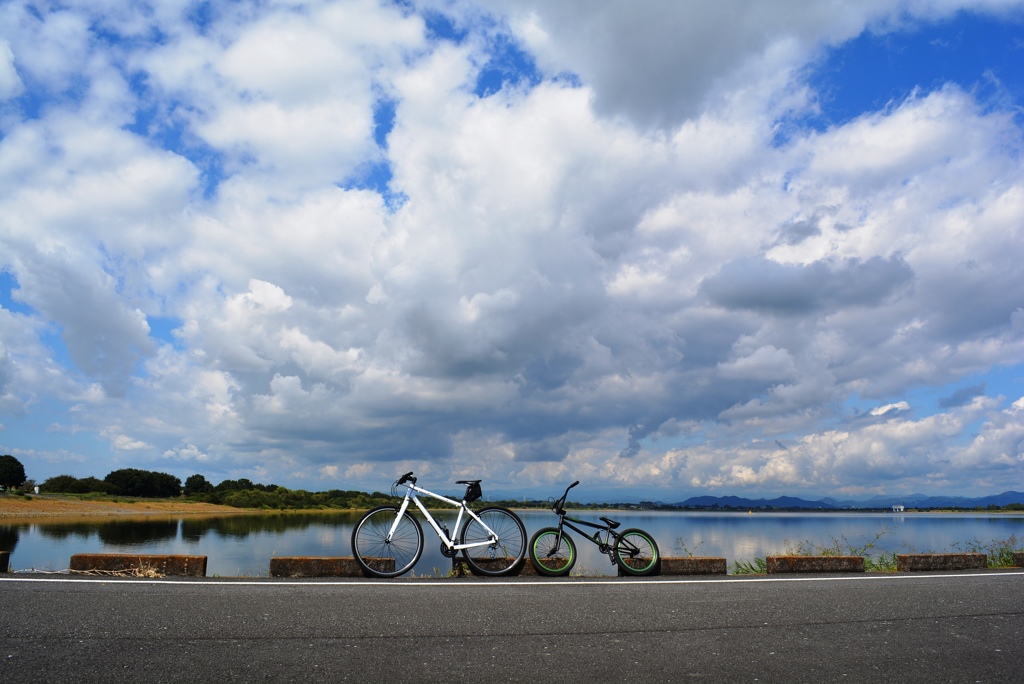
[[375, 555], [502, 558], [636, 552], [557, 564]]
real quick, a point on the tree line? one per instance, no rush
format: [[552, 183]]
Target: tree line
[[124, 482], [241, 493]]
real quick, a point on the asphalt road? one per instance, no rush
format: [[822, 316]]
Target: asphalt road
[[958, 627]]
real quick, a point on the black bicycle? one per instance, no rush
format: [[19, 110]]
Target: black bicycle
[[553, 552]]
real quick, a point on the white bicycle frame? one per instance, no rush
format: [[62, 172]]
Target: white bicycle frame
[[410, 495]]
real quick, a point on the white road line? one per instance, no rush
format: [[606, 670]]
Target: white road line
[[412, 584]]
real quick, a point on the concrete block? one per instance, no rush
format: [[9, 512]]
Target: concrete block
[[140, 565], [922, 562], [499, 564], [791, 564], [323, 566], [639, 562], [530, 570], [5, 560], [694, 566], [1018, 559]]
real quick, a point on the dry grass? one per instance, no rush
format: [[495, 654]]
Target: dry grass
[[150, 573], [57, 506]]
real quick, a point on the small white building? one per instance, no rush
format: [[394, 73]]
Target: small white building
[[897, 508]]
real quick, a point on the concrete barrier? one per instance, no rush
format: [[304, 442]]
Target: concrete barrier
[[530, 570], [5, 560], [495, 565], [693, 566], [320, 566], [923, 562], [790, 564], [638, 563], [142, 565], [1018, 559], [325, 566]]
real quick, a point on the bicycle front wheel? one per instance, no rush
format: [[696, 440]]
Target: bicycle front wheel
[[504, 555], [550, 555], [379, 557], [636, 552]]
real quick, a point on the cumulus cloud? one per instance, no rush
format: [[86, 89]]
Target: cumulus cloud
[[303, 242]]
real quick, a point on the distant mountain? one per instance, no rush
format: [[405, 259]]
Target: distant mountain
[[740, 502], [922, 501], [828, 503]]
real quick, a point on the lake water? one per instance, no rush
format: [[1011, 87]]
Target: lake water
[[242, 544]]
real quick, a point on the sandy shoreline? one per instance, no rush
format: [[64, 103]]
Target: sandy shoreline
[[55, 506]]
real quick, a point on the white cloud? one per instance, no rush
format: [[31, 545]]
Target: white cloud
[[122, 442], [286, 96], [890, 408]]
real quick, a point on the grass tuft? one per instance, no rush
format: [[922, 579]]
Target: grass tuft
[[758, 566], [681, 547], [875, 560], [999, 551]]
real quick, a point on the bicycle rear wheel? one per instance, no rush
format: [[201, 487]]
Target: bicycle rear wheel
[[501, 557], [379, 557], [550, 556], [636, 552]]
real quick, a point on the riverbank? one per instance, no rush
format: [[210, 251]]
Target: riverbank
[[58, 506]]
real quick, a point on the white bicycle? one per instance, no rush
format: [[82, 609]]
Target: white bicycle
[[388, 540]]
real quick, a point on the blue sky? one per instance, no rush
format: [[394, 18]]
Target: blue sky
[[666, 248]]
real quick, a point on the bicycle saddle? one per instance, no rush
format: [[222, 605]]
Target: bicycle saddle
[[610, 523], [468, 482]]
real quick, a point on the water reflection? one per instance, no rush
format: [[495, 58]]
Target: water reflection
[[119, 533], [245, 525], [8, 538], [134, 533], [64, 530]]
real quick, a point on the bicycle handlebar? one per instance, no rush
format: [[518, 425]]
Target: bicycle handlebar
[[406, 478], [560, 504]]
